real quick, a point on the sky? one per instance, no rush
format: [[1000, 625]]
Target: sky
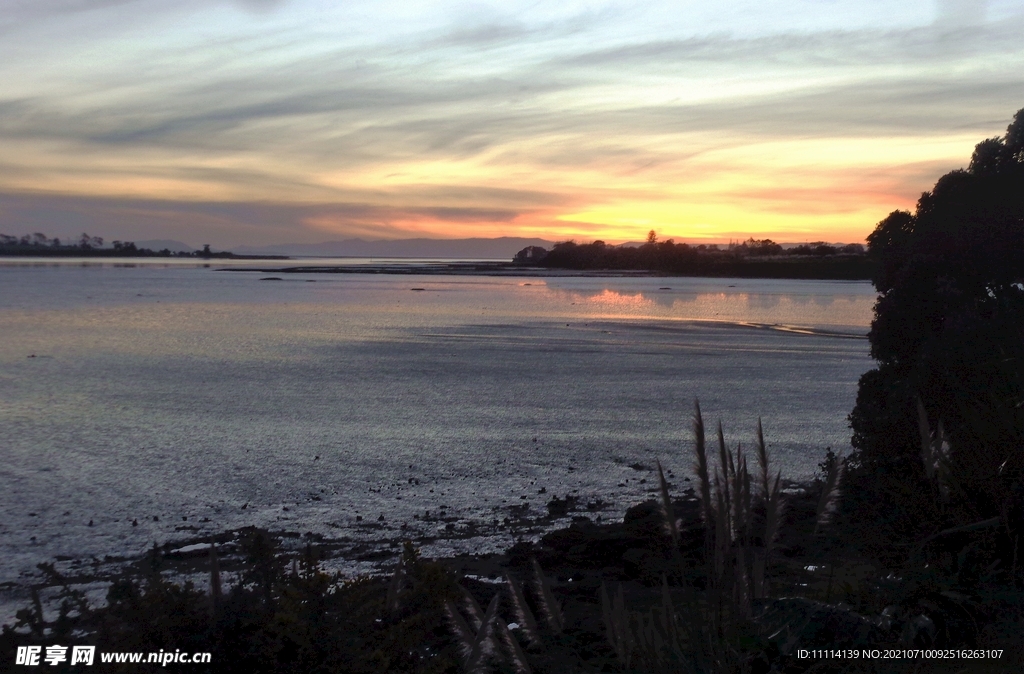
[[268, 121]]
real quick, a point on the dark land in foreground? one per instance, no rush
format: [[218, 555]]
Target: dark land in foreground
[[659, 592]]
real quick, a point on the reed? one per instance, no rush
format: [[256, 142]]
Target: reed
[[396, 587], [215, 584], [701, 466], [771, 496], [671, 524], [830, 492], [934, 453], [617, 626], [524, 616], [742, 515], [550, 608], [484, 638]]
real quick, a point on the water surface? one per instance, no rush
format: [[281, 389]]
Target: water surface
[[137, 395]]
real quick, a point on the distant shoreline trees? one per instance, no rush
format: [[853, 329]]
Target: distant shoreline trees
[[751, 258], [40, 245]]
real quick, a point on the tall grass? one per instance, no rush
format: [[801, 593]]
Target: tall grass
[[486, 642], [741, 513]]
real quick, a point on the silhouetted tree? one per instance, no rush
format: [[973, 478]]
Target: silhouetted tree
[[948, 330]]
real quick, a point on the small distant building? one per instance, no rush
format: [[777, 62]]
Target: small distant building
[[530, 255]]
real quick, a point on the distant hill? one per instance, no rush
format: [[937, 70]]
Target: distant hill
[[503, 248]]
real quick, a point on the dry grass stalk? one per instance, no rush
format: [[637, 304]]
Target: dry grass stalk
[[738, 556], [476, 614], [722, 542], [668, 638], [927, 456], [476, 643], [771, 496], [479, 638], [934, 452], [829, 498], [215, 584], [464, 635], [723, 465], [527, 623], [484, 645], [550, 609], [514, 652], [738, 550], [666, 509], [616, 624], [740, 532], [701, 467], [396, 587]]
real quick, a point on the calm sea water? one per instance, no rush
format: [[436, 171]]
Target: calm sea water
[[152, 393]]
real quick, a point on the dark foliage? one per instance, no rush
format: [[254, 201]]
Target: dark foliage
[[278, 617], [948, 331]]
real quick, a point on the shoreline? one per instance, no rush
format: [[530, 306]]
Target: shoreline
[[187, 556], [599, 577]]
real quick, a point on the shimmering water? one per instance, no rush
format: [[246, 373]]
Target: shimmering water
[[134, 392]]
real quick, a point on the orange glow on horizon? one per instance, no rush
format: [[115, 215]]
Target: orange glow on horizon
[[794, 191]]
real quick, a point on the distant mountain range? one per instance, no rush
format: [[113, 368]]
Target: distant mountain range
[[503, 248]]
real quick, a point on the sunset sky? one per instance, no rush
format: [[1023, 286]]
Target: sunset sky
[[268, 121]]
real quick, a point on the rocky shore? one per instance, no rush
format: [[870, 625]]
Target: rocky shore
[[818, 596]]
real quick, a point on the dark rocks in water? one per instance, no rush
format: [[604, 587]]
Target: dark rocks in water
[[558, 507]]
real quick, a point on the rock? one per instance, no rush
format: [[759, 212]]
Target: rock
[[558, 507], [796, 623], [645, 520]]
